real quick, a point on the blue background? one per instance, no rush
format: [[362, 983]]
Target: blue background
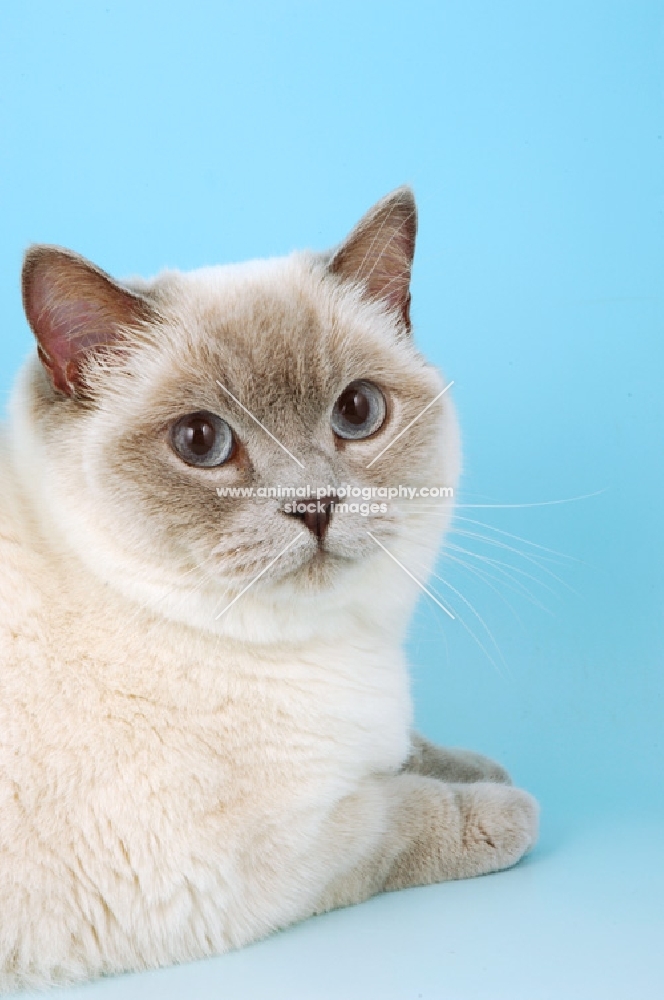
[[151, 134]]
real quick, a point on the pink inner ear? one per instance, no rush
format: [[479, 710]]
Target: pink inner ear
[[74, 309], [77, 326]]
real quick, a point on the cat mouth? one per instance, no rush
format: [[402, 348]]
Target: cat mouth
[[321, 568], [307, 560], [330, 557], [322, 555], [317, 565]]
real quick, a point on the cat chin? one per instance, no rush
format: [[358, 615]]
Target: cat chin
[[322, 597], [320, 572]]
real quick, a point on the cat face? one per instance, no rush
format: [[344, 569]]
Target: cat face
[[156, 399]]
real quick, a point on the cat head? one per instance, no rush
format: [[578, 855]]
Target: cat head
[[152, 401]]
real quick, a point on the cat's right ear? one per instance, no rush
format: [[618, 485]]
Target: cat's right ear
[[75, 309]]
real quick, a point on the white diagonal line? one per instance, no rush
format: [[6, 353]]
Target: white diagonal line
[[257, 421], [258, 576], [413, 578], [408, 426]]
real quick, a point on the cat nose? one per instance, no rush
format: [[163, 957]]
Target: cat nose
[[316, 514]]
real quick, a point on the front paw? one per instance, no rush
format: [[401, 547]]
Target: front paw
[[500, 826]]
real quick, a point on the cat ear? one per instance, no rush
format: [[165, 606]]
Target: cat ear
[[379, 252], [74, 309]]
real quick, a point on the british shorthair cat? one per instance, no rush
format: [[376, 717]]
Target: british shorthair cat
[[205, 719]]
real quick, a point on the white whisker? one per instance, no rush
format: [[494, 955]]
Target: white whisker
[[477, 615], [515, 585], [475, 638], [506, 569], [485, 578], [540, 503], [518, 538], [510, 548]]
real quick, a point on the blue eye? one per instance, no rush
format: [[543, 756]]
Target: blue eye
[[202, 439], [359, 411]]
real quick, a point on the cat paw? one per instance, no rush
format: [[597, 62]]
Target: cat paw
[[477, 767], [500, 826], [453, 765]]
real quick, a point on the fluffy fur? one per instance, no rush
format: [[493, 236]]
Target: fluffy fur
[[174, 783]]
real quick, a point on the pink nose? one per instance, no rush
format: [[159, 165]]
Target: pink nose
[[316, 514]]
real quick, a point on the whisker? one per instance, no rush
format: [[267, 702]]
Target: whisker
[[485, 579], [518, 538], [510, 506], [476, 613], [516, 586], [510, 548], [487, 540], [539, 503], [416, 634], [506, 569], [432, 511], [497, 543]]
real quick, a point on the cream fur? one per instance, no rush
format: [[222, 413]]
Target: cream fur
[[174, 784]]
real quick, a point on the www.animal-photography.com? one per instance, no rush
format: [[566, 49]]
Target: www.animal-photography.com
[[331, 632]]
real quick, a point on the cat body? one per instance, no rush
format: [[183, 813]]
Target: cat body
[[205, 719]]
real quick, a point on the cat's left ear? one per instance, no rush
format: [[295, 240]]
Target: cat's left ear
[[378, 253], [75, 309]]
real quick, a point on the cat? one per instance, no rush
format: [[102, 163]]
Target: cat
[[205, 719]]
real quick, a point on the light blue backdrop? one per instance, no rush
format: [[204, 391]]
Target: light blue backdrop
[[149, 134]]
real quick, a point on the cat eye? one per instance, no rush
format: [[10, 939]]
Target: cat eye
[[202, 439], [359, 411]]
